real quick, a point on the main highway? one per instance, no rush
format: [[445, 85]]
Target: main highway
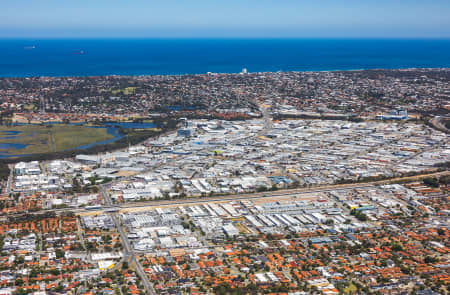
[[109, 207], [239, 197], [438, 123]]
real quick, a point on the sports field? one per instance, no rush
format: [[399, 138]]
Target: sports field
[[31, 139]]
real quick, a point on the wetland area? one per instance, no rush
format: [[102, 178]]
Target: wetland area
[[28, 139]]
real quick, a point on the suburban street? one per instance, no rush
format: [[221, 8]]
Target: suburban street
[[128, 252]]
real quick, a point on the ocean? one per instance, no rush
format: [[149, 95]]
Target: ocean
[[93, 57]]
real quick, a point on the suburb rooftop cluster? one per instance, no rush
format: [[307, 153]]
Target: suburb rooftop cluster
[[251, 183]]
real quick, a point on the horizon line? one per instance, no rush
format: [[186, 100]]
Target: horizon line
[[223, 37]]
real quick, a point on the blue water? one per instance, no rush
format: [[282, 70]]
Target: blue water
[[17, 146], [10, 132], [181, 56], [178, 108], [131, 125], [111, 128]]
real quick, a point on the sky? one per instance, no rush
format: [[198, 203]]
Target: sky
[[225, 18]]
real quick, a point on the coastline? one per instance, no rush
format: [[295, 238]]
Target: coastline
[[24, 58], [237, 73]]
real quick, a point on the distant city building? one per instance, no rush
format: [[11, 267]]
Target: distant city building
[[88, 159], [27, 168], [184, 132], [394, 115], [185, 122]]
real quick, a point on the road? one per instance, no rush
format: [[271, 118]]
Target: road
[[10, 178], [249, 196], [438, 122], [129, 254], [80, 235], [267, 121], [105, 195], [261, 195]]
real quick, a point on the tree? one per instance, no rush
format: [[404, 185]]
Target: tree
[[359, 215], [397, 247], [430, 259], [60, 253], [430, 181], [445, 179], [20, 260], [261, 189]]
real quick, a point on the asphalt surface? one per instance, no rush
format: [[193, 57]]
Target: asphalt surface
[[438, 122], [261, 195], [129, 254]]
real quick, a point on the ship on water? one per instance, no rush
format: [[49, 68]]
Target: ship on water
[[78, 52]]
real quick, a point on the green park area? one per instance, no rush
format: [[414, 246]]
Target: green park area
[[125, 91], [47, 138]]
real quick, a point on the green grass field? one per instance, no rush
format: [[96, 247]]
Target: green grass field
[[43, 139], [125, 91], [351, 289]]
